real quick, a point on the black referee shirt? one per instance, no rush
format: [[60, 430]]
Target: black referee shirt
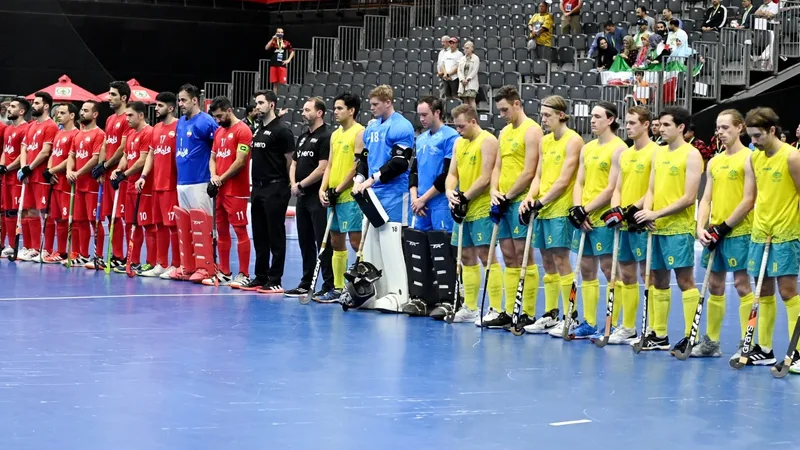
[[271, 143], [312, 147]]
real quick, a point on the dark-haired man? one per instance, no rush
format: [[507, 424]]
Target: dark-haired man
[[13, 135]]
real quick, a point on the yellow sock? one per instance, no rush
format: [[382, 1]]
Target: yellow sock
[[767, 310], [714, 316], [531, 291], [551, 291], [591, 298], [745, 305], [690, 299], [651, 314], [495, 287], [472, 285], [339, 266], [617, 302], [792, 311], [566, 286], [661, 304], [630, 303], [511, 278]]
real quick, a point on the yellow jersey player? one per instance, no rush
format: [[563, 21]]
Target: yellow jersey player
[[598, 170], [550, 197], [335, 192], [467, 189], [629, 193], [776, 167], [511, 178], [729, 196], [669, 208]]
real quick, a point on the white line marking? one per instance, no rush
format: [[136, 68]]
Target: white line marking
[[90, 297], [570, 422]]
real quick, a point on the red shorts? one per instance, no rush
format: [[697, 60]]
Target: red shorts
[[108, 196], [163, 204], [10, 200], [145, 209], [127, 208], [231, 209], [85, 206], [59, 208], [278, 74], [35, 196]]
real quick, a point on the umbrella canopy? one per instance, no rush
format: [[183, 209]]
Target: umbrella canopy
[[138, 93], [66, 91]]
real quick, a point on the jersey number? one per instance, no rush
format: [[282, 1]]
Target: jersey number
[[670, 260], [373, 137], [239, 215], [732, 262], [142, 216], [171, 216], [599, 247]]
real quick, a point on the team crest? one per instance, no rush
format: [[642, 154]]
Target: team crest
[[603, 165], [172, 134], [733, 175], [117, 125], [777, 177], [673, 170], [64, 140], [189, 133], [230, 135]]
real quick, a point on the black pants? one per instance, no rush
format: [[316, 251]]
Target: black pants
[[311, 218], [268, 207]]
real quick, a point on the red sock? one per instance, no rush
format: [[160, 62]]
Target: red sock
[[9, 223], [151, 242], [224, 246], [26, 233], [83, 237], [138, 239], [118, 239], [35, 225], [49, 235], [62, 227], [175, 245], [243, 248], [163, 245], [100, 237]]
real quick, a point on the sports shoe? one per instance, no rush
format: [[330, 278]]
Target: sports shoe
[[545, 323], [199, 275], [583, 331], [239, 280], [117, 262], [440, 311], [270, 289], [299, 291], [167, 275], [738, 352], [759, 357], [601, 332], [40, 256], [224, 280], [155, 271], [331, 296], [94, 264], [416, 308], [253, 285], [124, 268], [653, 342], [8, 251], [622, 335], [498, 322], [55, 258], [466, 315], [706, 348], [144, 268], [28, 254], [681, 345], [524, 320], [491, 315], [179, 274], [795, 367]]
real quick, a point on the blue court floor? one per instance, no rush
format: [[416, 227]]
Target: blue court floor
[[89, 361]]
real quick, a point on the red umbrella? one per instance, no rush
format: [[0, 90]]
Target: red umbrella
[[66, 91], [138, 93]]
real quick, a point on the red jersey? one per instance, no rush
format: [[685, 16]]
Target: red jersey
[[138, 142], [86, 144], [116, 128], [39, 134], [165, 172], [12, 143], [229, 142], [62, 145]]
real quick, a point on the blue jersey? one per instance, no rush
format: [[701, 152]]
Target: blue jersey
[[432, 150], [379, 138], [193, 148]]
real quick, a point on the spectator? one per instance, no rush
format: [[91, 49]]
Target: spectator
[[641, 14], [661, 30], [540, 28], [746, 19], [451, 59], [677, 40], [768, 10], [251, 117], [641, 92], [666, 16], [783, 137], [605, 55], [655, 131], [468, 75], [281, 54], [705, 151], [642, 31], [716, 17], [613, 34], [571, 16], [440, 60], [797, 135], [629, 52]]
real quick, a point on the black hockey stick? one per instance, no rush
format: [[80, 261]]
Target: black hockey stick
[[638, 346], [747, 343], [98, 252], [516, 329], [307, 298], [573, 293], [781, 369], [451, 315], [684, 353], [600, 343], [492, 244], [69, 225], [18, 230]]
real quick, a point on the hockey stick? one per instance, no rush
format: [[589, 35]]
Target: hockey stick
[[451, 315], [359, 255], [18, 230], [307, 299], [69, 226], [44, 222], [98, 252], [600, 343], [781, 369], [573, 292], [107, 268], [492, 244], [751, 321], [516, 329], [683, 354], [638, 346], [128, 270]]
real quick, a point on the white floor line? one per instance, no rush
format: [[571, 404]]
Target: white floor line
[[91, 297], [570, 422]]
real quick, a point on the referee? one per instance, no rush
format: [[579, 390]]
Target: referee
[[273, 145], [308, 167]]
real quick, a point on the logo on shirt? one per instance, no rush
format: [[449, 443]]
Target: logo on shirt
[[230, 135], [777, 177], [188, 133], [640, 168], [162, 150], [172, 134], [224, 153], [673, 171], [64, 140], [302, 141], [111, 139], [260, 144], [182, 153], [82, 154], [604, 165], [733, 175], [117, 125], [305, 154], [58, 152]]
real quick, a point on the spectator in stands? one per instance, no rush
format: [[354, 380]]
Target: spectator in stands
[[540, 28], [440, 60], [281, 54], [661, 30], [642, 32], [450, 68], [629, 51], [468, 75], [655, 131], [605, 55], [571, 16], [677, 40], [641, 91], [768, 10], [251, 117], [746, 19], [641, 14], [705, 151], [666, 17], [716, 17], [613, 34]]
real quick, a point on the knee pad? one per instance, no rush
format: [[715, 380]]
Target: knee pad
[[416, 250], [395, 280], [202, 237], [183, 224], [444, 263]]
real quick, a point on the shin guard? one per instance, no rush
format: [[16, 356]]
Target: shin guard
[[421, 282], [444, 264], [183, 220], [202, 239]]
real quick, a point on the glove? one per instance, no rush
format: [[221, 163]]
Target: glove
[[525, 218], [116, 182], [459, 212], [24, 173], [497, 212], [332, 196], [212, 190], [633, 227], [98, 170], [577, 215], [613, 217], [3, 170], [47, 175], [717, 232]]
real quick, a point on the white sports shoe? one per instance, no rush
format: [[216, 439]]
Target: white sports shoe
[[167, 272], [622, 335], [544, 323], [558, 329], [40, 257], [8, 251], [224, 280], [156, 271], [239, 280], [28, 254], [465, 315], [491, 315]]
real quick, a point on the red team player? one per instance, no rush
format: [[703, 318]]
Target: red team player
[[56, 174], [161, 162], [119, 93], [34, 155], [229, 167], [9, 164], [86, 148], [137, 145]]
